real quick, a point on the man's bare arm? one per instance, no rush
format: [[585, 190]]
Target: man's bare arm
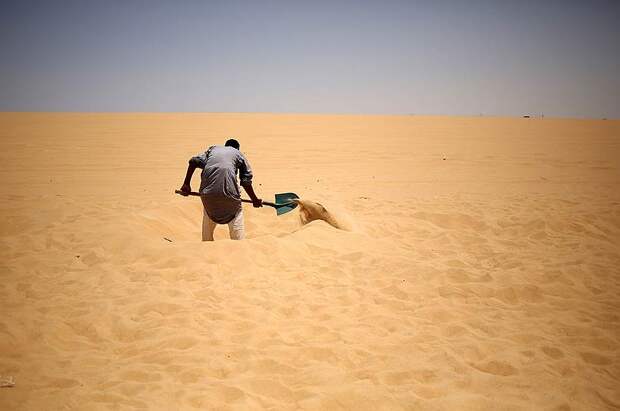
[[247, 186], [186, 188]]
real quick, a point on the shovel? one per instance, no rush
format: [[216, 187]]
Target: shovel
[[284, 203]]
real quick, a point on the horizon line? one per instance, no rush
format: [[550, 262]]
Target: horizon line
[[498, 116]]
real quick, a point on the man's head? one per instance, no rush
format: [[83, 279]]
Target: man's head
[[232, 143]]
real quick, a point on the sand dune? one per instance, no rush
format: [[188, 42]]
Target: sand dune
[[478, 267]]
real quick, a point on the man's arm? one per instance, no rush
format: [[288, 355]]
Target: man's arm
[[245, 175], [247, 186], [193, 165]]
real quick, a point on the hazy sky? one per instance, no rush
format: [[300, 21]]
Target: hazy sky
[[496, 57]]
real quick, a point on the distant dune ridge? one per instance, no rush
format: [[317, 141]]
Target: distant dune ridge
[[477, 267]]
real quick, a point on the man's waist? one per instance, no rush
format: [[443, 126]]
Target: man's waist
[[219, 196]]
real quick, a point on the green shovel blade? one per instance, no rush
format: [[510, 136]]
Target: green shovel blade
[[285, 202]]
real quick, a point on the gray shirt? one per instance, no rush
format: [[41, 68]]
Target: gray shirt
[[222, 198]]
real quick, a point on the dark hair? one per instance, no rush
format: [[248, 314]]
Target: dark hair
[[232, 143]]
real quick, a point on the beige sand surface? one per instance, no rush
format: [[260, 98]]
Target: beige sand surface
[[481, 270]]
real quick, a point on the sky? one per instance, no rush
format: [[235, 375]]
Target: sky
[[559, 58]]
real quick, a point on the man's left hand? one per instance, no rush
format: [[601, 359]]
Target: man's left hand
[[257, 202], [185, 188]]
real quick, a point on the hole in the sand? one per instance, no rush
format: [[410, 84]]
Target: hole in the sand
[[183, 222]]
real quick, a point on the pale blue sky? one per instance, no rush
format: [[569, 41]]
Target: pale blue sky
[[560, 58]]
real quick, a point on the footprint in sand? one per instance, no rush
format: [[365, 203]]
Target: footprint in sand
[[552, 352], [594, 358]]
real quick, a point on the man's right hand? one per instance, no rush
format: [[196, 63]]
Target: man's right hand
[[257, 202], [185, 188]]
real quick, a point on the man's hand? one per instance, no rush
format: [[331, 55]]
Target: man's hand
[[247, 186], [185, 188]]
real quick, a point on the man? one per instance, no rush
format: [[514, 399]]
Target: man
[[220, 193]]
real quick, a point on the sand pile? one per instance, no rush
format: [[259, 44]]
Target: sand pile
[[488, 280]]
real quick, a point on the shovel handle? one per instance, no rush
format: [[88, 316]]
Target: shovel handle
[[193, 193], [268, 203]]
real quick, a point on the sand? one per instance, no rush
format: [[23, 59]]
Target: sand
[[479, 267], [310, 211]]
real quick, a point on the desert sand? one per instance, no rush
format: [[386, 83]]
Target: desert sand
[[476, 265]]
